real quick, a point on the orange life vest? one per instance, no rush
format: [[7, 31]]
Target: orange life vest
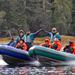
[[47, 45], [59, 45], [22, 46]]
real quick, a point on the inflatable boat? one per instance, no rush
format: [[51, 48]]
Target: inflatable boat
[[13, 55], [44, 54]]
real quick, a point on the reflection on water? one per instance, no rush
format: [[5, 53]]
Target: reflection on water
[[37, 70]]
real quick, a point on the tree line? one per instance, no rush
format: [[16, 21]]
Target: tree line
[[35, 14]]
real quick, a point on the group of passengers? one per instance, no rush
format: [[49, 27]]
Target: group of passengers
[[24, 41]]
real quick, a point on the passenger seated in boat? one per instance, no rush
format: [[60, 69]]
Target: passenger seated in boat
[[70, 48], [21, 36], [12, 42], [21, 45], [47, 43], [57, 45]]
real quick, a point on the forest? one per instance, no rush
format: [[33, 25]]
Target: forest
[[36, 14]]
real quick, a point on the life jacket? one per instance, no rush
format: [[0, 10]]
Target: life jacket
[[58, 45], [47, 45], [56, 35], [73, 46], [54, 46], [22, 46]]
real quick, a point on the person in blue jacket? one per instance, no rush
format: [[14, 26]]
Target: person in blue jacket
[[12, 42], [28, 37], [21, 36], [53, 34]]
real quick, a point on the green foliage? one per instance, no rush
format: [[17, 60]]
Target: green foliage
[[62, 14], [35, 14]]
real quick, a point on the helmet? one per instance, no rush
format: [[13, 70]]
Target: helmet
[[54, 30], [21, 31]]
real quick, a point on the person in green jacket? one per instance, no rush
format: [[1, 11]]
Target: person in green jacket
[[28, 37], [53, 34], [31, 36], [21, 36]]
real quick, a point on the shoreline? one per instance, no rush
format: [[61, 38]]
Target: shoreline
[[39, 40]]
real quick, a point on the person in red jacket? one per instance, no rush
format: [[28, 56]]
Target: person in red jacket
[[21, 45], [57, 45], [74, 48], [70, 48], [47, 43], [72, 45]]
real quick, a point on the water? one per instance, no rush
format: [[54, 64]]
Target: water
[[28, 70]]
